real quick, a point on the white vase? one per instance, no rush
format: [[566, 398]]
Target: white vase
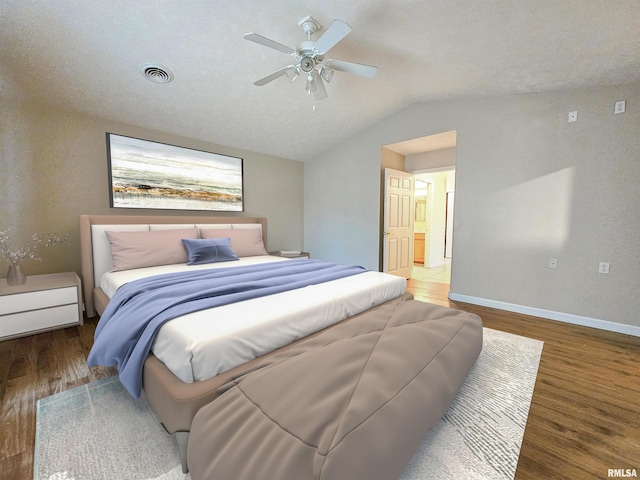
[[15, 275]]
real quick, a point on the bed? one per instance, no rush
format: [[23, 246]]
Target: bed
[[177, 392]]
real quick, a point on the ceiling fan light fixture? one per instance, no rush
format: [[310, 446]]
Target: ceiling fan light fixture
[[326, 74], [293, 73], [310, 86]]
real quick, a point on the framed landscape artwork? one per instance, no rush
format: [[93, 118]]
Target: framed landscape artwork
[[145, 174]]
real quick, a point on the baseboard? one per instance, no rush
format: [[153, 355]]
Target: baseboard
[[549, 314]]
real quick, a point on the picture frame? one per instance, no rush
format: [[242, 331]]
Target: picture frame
[[152, 175]]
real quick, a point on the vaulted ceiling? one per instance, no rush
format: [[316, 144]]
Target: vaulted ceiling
[[86, 56]]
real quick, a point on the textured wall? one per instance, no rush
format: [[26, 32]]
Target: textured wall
[[53, 167], [529, 186]]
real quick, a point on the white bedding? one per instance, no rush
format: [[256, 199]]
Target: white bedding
[[203, 344]]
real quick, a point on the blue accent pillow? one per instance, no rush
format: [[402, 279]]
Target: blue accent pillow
[[208, 250]]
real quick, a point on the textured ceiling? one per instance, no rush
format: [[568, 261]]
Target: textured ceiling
[[86, 55]]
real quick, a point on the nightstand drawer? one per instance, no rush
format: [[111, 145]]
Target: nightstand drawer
[[35, 320], [21, 302]]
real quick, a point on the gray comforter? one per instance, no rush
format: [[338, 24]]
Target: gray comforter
[[352, 403]]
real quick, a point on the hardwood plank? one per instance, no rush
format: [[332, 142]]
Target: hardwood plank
[[584, 417]]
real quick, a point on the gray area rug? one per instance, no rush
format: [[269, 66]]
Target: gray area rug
[[98, 431], [480, 435]]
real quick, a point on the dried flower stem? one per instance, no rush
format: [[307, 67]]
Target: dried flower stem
[[39, 241]]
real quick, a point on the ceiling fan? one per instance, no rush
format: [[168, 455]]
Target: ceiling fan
[[310, 57]]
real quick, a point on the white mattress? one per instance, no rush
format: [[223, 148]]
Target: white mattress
[[203, 344]]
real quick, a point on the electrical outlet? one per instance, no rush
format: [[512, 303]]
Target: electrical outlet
[[553, 263], [603, 267], [573, 116], [619, 107]]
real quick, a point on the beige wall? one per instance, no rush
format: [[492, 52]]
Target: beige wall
[[390, 159], [435, 159], [529, 186], [53, 167]]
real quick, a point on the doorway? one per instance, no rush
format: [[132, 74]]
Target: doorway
[[432, 160], [433, 232]]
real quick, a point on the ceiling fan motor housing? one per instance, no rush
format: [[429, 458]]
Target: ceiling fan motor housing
[[306, 55], [307, 64]]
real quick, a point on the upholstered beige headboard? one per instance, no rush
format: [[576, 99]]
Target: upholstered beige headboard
[[96, 256]]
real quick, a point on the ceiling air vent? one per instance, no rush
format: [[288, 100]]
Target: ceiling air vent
[[156, 73]]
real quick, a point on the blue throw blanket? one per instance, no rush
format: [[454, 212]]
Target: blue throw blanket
[[128, 326]]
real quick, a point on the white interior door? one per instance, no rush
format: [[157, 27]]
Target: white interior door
[[399, 204]]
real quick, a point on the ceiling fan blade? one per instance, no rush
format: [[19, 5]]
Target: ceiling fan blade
[[320, 92], [254, 37], [332, 35], [273, 76], [359, 69]]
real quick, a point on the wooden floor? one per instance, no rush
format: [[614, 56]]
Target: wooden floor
[[584, 417], [32, 368], [585, 412]]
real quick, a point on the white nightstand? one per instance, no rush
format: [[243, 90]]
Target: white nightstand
[[45, 302]]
